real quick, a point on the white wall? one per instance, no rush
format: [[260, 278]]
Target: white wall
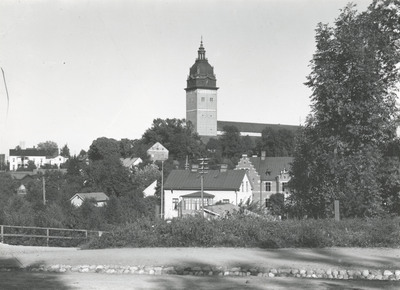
[[234, 197]]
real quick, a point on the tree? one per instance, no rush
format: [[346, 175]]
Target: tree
[[177, 136], [109, 175], [104, 147], [276, 142], [354, 114], [65, 151], [231, 142], [49, 147]]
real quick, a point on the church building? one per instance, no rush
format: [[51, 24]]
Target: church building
[[201, 103], [201, 96]]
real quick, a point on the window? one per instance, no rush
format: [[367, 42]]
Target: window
[[247, 186], [268, 186], [225, 201], [203, 99], [284, 186], [242, 187], [211, 99], [175, 203]]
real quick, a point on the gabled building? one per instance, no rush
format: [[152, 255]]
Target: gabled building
[[157, 152], [182, 194], [268, 175], [131, 162], [99, 198]]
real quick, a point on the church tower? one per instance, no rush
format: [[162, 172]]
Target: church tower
[[201, 96]]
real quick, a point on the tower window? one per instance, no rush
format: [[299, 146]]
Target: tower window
[[211, 99], [203, 99]]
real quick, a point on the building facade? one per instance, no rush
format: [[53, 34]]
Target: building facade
[[268, 175], [201, 96], [183, 190]]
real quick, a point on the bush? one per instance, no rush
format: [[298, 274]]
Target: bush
[[248, 231]]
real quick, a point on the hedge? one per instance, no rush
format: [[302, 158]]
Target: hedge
[[247, 231]]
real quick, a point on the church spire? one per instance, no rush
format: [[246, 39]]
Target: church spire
[[201, 51]]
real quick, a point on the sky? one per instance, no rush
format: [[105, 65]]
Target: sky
[[78, 70]]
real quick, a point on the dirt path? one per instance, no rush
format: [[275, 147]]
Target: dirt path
[[348, 258]]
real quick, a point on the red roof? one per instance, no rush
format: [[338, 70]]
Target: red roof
[[213, 180]]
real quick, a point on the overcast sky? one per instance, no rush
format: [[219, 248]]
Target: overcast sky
[[79, 70]]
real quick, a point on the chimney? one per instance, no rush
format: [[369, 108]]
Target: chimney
[[263, 155], [224, 167]]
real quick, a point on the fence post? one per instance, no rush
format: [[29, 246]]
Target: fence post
[[47, 232], [2, 234], [86, 234]]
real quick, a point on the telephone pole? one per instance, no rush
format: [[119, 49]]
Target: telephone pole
[[203, 169]]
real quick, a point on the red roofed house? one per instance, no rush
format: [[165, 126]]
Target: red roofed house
[[99, 198], [183, 190], [274, 175]]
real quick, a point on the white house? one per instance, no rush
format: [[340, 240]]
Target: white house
[[131, 162], [182, 194], [99, 198], [21, 157], [158, 152], [56, 160], [151, 189]]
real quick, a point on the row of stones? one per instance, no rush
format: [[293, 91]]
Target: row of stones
[[223, 271]]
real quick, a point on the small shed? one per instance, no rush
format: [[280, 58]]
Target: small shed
[[99, 198]]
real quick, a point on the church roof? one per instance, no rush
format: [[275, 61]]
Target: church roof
[[254, 127], [201, 74]]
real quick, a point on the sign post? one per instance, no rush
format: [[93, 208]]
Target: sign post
[[337, 211], [158, 152]]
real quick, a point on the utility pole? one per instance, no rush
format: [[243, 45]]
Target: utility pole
[[203, 169], [162, 189], [44, 190]]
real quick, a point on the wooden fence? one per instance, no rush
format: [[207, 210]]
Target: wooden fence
[[48, 234]]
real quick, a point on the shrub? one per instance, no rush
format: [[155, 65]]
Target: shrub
[[248, 231]]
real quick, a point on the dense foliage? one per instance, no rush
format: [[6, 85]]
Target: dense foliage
[[247, 231], [342, 153]]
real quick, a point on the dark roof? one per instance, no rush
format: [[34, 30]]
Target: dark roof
[[22, 174], [98, 196], [27, 152], [198, 194], [201, 74], [254, 127], [274, 165], [213, 180]]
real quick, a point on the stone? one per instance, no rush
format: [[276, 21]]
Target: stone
[[378, 277], [365, 273], [387, 273], [294, 271], [273, 271], [302, 271], [271, 275], [397, 272]]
